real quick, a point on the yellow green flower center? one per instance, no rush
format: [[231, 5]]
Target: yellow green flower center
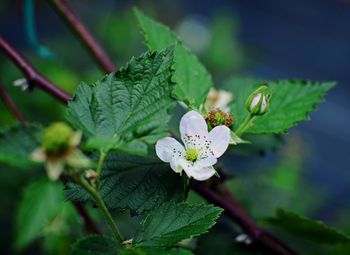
[[191, 155]]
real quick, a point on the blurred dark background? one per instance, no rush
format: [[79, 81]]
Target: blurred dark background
[[306, 39]]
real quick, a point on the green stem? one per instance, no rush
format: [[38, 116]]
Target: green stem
[[99, 167], [113, 226], [242, 128]]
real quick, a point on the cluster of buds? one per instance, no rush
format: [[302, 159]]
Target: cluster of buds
[[258, 101], [60, 152]]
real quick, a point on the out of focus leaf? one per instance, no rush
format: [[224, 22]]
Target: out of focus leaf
[[103, 245], [42, 201], [281, 181], [306, 228], [223, 236], [96, 245], [225, 53], [156, 251], [192, 79], [17, 143], [259, 145]]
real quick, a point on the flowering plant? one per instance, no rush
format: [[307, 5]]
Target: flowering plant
[[121, 151]]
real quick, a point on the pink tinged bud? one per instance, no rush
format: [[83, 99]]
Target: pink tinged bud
[[263, 106], [255, 101], [258, 101]]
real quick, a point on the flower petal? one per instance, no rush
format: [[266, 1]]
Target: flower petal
[[220, 139], [175, 165], [77, 159], [54, 170], [196, 171], [204, 173], [168, 148], [205, 162], [223, 100], [191, 124], [38, 155], [76, 138]]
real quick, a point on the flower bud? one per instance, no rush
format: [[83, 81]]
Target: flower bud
[[258, 101], [57, 139]]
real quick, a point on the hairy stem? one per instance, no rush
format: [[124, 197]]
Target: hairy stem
[[10, 104], [96, 196], [76, 25]]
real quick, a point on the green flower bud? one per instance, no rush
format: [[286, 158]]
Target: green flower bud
[[57, 139], [258, 102]]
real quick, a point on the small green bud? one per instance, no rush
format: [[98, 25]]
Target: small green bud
[[258, 102], [57, 139], [191, 155]]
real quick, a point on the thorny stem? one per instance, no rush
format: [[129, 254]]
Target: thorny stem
[[76, 25], [10, 104], [96, 196], [99, 167], [226, 201], [33, 77], [242, 128]]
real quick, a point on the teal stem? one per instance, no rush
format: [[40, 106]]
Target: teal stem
[[30, 31]]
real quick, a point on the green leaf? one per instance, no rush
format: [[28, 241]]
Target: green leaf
[[96, 245], [291, 102], [132, 103], [307, 229], [235, 139], [192, 79], [170, 223], [155, 251], [42, 201], [17, 143], [103, 245], [105, 143], [135, 182]]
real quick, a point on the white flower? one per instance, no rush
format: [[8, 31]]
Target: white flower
[[201, 150], [218, 99]]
